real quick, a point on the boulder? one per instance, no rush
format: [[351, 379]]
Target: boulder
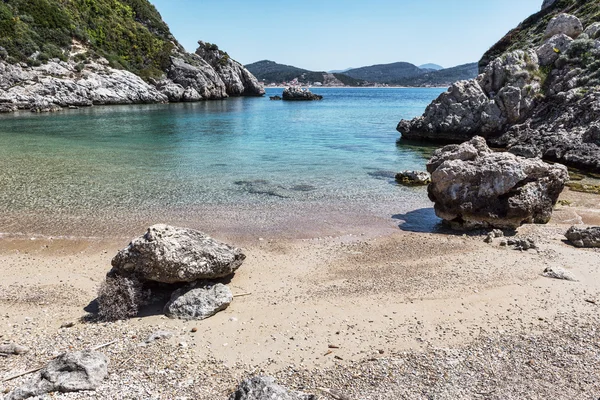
[[593, 30], [199, 302], [413, 178], [566, 24], [581, 236], [265, 388], [549, 52], [474, 187], [297, 93], [69, 372], [169, 255]]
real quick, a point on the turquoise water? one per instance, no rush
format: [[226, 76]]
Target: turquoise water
[[149, 160]]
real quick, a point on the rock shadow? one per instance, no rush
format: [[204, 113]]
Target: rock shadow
[[422, 220]]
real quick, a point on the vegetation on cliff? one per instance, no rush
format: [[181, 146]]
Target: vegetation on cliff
[[129, 33], [530, 33], [272, 72]]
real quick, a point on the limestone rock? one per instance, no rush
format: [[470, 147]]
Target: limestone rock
[[558, 273], [168, 254], [413, 178], [70, 372], [194, 73], [296, 93], [567, 24], [549, 52], [473, 187], [265, 388], [547, 3], [237, 79], [199, 302], [593, 31], [581, 236], [13, 348]]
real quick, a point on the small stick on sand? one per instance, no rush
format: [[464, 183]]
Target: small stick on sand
[[103, 345], [242, 294]]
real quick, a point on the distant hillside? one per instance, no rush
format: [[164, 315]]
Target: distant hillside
[[272, 72], [385, 73], [443, 77], [434, 67], [530, 32]]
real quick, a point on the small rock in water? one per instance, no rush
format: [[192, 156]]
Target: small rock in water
[[413, 178]]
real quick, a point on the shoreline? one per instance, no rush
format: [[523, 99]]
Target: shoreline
[[389, 299]]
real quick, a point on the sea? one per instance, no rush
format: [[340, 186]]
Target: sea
[[238, 167]]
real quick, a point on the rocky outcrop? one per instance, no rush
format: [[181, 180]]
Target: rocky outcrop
[[565, 24], [237, 79], [265, 388], [581, 236], [541, 102], [198, 302], [69, 372], [168, 254], [295, 93], [62, 84], [56, 84], [474, 187]]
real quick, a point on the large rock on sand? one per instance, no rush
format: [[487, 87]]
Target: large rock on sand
[[70, 372], [265, 388], [474, 187], [199, 302], [169, 255], [581, 236]]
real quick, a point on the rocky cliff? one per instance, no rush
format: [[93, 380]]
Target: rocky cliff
[[539, 101], [55, 54]]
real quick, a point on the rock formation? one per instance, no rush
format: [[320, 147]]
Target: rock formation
[[69, 372], [295, 93], [536, 102], [413, 178], [474, 187], [168, 254], [581, 236]]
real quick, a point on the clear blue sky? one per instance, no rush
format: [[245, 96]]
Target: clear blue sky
[[337, 34]]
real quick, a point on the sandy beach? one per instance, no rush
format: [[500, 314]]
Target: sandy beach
[[381, 314]]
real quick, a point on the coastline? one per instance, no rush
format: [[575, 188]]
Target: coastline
[[386, 300]]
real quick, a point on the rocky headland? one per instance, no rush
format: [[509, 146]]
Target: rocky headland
[[78, 68], [538, 93]]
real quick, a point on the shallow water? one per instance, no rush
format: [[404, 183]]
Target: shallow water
[[75, 170]]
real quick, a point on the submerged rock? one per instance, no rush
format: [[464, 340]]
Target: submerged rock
[[265, 388], [199, 302], [275, 97], [70, 372], [168, 254], [413, 178], [581, 236], [474, 187], [297, 93]]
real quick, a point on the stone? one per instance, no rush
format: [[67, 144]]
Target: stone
[[69, 372], [549, 52], [294, 93], [413, 178], [558, 273], [170, 255], [199, 302], [548, 3], [265, 388], [566, 24], [473, 187], [522, 244], [159, 335], [275, 98], [593, 30], [12, 348], [581, 236]]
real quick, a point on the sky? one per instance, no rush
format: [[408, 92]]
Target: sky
[[323, 35]]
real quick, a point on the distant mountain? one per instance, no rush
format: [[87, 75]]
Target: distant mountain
[[339, 71], [385, 73], [434, 67], [442, 77], [271, 72]]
